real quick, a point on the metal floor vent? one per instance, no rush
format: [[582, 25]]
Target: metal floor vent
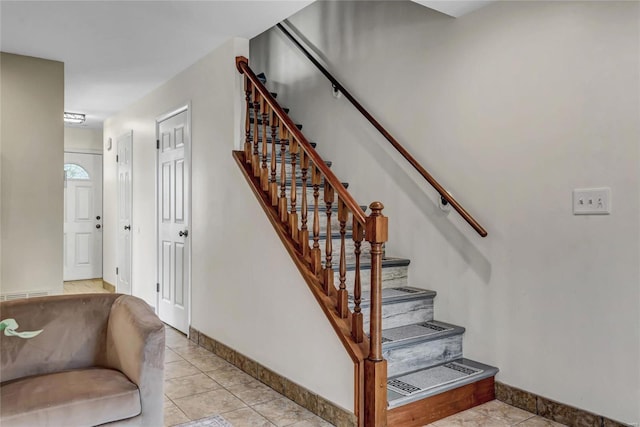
[[420, 381], [433, 326], [413, 331], [407, 290], [402, 387]]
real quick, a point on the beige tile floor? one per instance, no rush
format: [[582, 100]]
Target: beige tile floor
[[199, 384], [84, 287]]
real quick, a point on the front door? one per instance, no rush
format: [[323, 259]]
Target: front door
[[174, 192], [82, 216], [125, 194]]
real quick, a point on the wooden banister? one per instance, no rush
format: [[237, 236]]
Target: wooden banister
[[242, 64], [282, 208], [444, 194]]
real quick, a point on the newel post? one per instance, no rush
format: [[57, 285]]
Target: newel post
[[375, 367]]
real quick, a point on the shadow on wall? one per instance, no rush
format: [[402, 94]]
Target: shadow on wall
[[399, 171], [411, 184]]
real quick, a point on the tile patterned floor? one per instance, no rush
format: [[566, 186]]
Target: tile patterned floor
[[199, 384], [84, 287]]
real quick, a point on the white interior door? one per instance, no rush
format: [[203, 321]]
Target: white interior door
[[82, 216], [174, 191], [124, 159]]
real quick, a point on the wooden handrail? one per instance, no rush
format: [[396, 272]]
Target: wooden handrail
[[242, 64], [444, 194], [319, 273]]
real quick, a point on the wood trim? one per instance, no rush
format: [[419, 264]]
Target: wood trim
[[108, 286], [403, 151], [442, 405], [242, 64], [304, 397]]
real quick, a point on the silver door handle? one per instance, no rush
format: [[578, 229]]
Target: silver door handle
[[184, 233]]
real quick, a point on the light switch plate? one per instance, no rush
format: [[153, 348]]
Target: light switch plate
[[592, 201]]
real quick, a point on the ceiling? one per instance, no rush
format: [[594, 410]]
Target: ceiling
[[115, 52], [455, 8]]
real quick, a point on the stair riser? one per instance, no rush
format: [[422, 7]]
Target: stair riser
[[391, 277], [310, 200], [422, 355], [365, 249], [322, 222], [402, 313]]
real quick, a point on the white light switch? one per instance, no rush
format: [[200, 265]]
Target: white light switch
[[592, 201]]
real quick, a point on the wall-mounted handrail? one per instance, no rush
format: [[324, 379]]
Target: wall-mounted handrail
[[242, 65], [444, 194]]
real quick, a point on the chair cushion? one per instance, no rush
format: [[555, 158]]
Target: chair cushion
[[83, 397]]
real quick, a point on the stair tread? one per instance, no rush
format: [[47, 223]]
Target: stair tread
[[407, 388], [418, 332], [365, 263], [309, 187], [313, 144], [260, 122], [394, 295]]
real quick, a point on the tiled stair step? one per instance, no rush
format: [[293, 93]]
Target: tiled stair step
[[349, 246], [287, 156], [287, 168], [420, 384], [420, 345], [269, 148], [395, 273], [310, 193], [287, 159], [252, 120], [400, 306], [251, 111], [322, 221]]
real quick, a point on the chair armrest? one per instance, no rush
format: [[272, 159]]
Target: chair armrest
[[135, 347]]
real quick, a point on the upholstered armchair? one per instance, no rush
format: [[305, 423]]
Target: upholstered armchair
[[99, 359]]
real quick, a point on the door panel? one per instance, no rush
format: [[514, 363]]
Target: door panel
[[82, 246], [173, 221], [125, 149]]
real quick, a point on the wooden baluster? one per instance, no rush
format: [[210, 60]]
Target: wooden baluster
[[247, 130], [255, 158], [343, 214], [264, 172], [282, 201], [375, 367], [273, 185], [328, 268], [357, 332], [316, 255], [304, 232], [293, 215]]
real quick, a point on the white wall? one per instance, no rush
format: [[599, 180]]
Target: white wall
[[511, 107], [31, 153], [83, 139], [246, 291]]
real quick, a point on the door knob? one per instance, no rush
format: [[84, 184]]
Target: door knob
[[98, 217], [98, 225], [127, 227], [184, 233]]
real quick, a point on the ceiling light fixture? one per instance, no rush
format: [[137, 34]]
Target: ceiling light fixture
[[74, 118]]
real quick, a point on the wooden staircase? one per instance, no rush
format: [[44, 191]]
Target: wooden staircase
[[410, 368]]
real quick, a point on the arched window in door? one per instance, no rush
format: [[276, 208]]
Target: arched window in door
[[74, 171]]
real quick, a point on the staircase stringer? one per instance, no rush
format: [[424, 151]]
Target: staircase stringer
[[358, 352]]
